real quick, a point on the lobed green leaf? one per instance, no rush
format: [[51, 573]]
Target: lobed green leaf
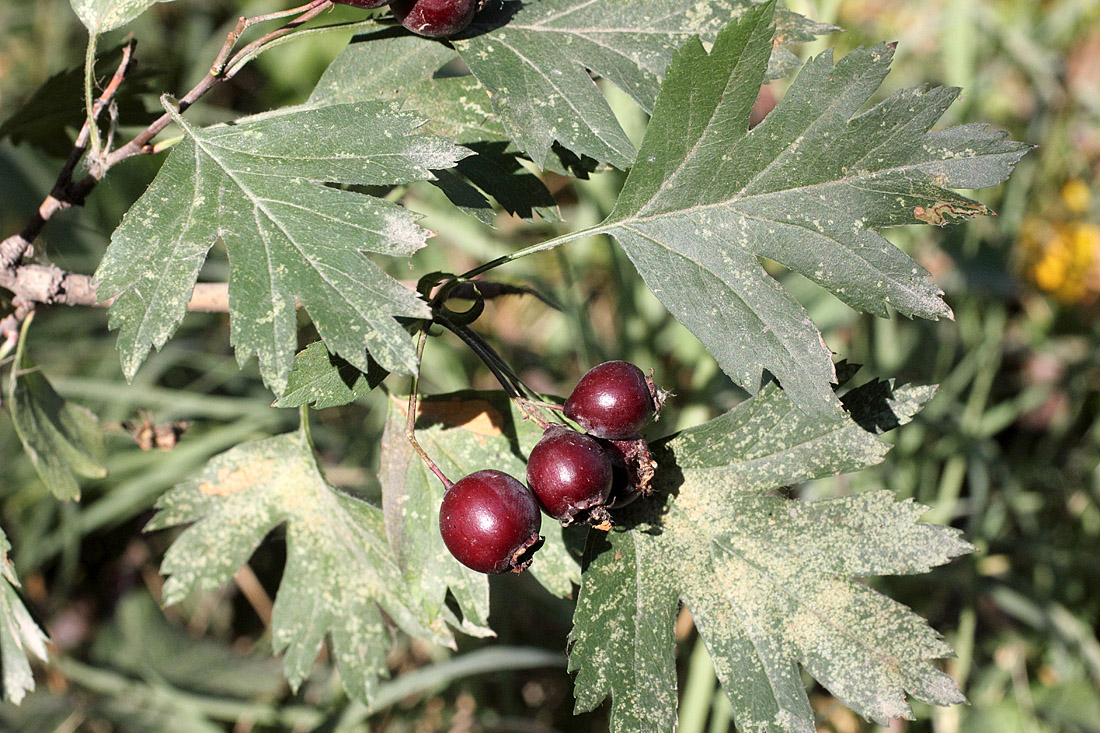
[[380, 65], [534, 60], [63, 440], [258, 186], [20, 636], [708, 198], [321, 380]]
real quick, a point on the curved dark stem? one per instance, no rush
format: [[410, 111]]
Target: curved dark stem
[[65, 192], [487, 354], [517, 391]]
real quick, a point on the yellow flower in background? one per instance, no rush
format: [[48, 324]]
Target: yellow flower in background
[[1062, 257], [1076, 195]]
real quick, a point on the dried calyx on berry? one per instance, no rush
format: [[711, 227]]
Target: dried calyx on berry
[[614, 403], [632, 467], [490, 522], [570, 474]]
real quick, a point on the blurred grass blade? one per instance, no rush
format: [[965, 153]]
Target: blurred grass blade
[[438, 676]]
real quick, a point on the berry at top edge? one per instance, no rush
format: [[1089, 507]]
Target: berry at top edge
[[570, 473], [434, 18], [490, 522], [612, 400]]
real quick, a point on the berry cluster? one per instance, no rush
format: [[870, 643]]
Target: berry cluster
[[431, 18], [490, 521]]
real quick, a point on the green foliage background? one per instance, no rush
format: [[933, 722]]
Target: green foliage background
[[1008, 451]]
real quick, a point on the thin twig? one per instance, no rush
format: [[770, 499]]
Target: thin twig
[[218, 73], [11, 325], [49, 284], [63, 194], [242, 57]]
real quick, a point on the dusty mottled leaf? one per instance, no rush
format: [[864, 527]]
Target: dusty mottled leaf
[[100, 16], [771, 583], [808, 187], [535, 59], [380, 65], [321, 380], [19, 634], [340, 573], [63, 440], [258, 187], [463, 432]]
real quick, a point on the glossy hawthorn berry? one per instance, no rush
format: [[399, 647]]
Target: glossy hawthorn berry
[[367, 4], [490, 522], [434, 18], [570, 473], [612, 400]]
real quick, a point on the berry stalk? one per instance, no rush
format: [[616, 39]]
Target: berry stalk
[[410, 418]]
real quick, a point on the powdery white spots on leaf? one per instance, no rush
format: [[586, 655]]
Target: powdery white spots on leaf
[[20, 636], [229, 480], [101, 16], [542, 102]]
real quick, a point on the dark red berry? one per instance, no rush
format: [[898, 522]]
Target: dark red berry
[[570, 473], [434, 18], [368, 4], [613, 401], [490, 522]]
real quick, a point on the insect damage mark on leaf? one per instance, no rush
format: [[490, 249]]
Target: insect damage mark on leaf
[[937, 214]]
